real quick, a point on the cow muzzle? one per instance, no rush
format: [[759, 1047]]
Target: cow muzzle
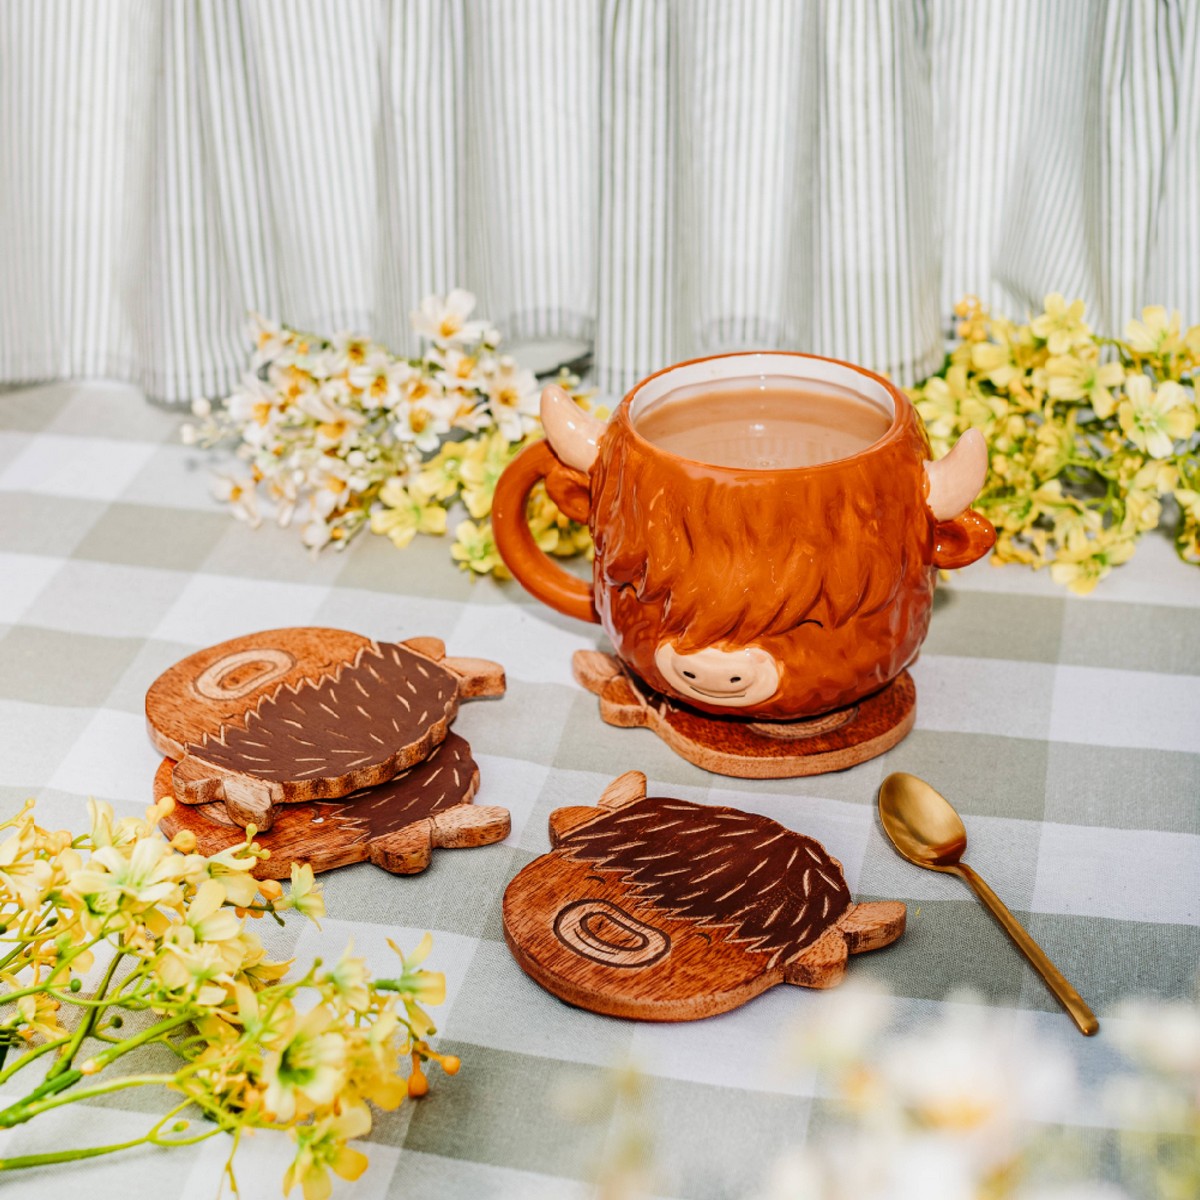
[[730, 678]]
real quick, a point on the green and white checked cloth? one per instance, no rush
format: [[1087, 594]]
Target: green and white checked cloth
[[1066, 730]]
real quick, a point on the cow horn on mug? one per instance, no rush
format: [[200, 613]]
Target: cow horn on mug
[[768, 529]]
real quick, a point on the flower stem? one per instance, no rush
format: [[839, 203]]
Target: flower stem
[[152, 1138], [63, 1062], [28, 1057], [25, 1110]]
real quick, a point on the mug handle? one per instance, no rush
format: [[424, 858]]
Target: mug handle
[[537, 573], [960, 542]]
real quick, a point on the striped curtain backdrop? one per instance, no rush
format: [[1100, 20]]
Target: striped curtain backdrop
[[658, 178]]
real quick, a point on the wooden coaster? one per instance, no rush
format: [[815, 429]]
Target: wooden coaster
[[293, 715], [752, 749], [396, 825], [665, 910]]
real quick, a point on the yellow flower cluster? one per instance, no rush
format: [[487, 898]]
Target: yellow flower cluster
[[121, 921], [342, 435], [1088, 436]]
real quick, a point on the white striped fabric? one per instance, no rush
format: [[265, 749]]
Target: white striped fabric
[[660, 178]]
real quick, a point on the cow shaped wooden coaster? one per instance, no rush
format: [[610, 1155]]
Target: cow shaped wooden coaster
[[665, 910], [293, 715], [396, 825], [748, 749]]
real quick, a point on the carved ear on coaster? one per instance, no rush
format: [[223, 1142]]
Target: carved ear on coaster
[[861, 927], [624, 790], [477, 676]]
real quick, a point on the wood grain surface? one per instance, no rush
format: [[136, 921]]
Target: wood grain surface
[[666, 910], [395, 825], [748, 749], [293, 715]]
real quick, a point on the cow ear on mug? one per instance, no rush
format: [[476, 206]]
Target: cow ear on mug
[[573, 434], [954, 481]]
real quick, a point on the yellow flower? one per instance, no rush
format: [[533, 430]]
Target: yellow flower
[[39, 1014], [1155, 333], [1152, 420], [995, 363], [481, 470], [23, 876], [1084, 561], [1077, 378], [475, 550], [207, 917], [1062, 325], [407, 512], [307, 1071], [347, 981], [1155, 476], [972, 320], [1142, 511], [323, 1148], [112, 882], [1189, 501], [1055, 445], [441, 476], [305, 896], [198, 970]]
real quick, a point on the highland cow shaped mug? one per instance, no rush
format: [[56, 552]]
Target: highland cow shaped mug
[[767, 527]]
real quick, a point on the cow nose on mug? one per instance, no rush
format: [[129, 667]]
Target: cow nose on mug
[[712, 670]]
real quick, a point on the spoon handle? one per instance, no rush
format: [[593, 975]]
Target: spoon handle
[[1068, 997]]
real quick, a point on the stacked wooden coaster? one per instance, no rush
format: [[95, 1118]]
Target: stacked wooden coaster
[[334, 747]]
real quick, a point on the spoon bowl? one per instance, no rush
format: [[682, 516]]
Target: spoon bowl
[[921, 823], [926, 830]]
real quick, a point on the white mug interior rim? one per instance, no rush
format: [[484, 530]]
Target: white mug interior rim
[[749, 365], [759, 364]]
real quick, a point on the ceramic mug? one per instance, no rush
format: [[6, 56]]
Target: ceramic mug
[[775, 593]]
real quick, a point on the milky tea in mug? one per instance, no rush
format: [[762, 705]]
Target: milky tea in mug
[[763, 423]]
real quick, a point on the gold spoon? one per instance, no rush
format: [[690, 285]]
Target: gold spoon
[[928, 832]]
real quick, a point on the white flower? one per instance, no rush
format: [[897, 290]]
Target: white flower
[[338, 421], [347, 351], [512, 393], [315, 534], [241, 497], [445, 322], [271, 341], [976, 1080], [254, 408], [875, 1164], [835, 1032], [1165, 1037], [424, 422], [381, 379]]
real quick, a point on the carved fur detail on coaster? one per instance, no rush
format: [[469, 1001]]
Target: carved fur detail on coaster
[[396, 824], [691, 861], [666, 910], [293, 715]]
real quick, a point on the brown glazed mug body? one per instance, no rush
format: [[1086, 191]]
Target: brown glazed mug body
[[773, 593]]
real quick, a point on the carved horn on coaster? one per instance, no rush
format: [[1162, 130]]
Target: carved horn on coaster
[[572, 433], [954, 481]]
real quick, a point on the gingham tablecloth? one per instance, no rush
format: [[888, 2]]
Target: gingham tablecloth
[[1066, 730]]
